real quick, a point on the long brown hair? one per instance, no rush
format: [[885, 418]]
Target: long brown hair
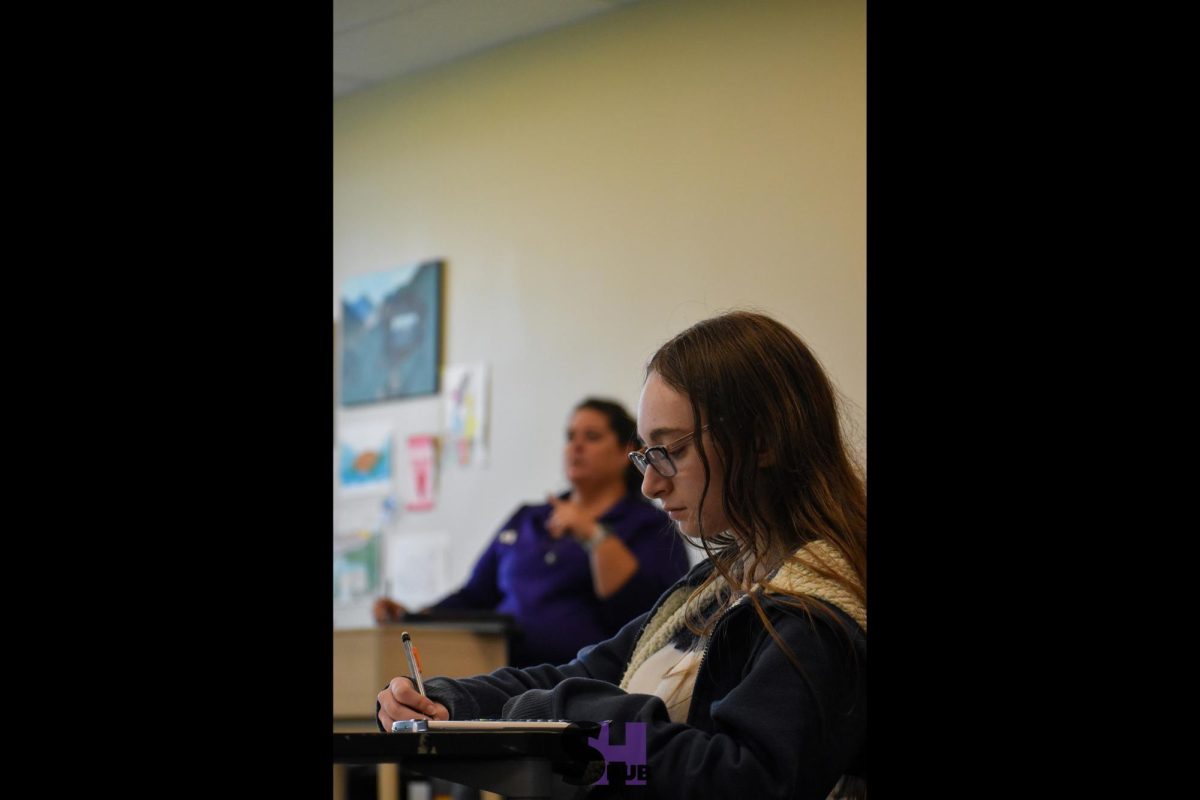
[[789, 478]]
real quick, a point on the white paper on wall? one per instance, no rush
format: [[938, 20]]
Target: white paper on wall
[[417, 568]]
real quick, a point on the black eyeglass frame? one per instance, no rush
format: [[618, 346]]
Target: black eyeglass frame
[[660, 454]]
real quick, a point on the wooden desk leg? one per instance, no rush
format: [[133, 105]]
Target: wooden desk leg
[[340, 789], [387, 782]]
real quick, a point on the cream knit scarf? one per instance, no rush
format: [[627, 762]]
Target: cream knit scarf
[[799, 578]]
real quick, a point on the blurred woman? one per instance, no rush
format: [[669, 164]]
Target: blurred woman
[[575, 569]]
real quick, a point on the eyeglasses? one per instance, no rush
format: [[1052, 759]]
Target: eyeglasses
[[659, 456]]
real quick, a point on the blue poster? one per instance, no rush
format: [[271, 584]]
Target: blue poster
[[391, 334]]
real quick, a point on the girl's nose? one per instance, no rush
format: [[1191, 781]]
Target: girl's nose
[[653, 484]]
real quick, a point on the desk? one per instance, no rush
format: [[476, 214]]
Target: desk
[[365, 659], [530, 765]]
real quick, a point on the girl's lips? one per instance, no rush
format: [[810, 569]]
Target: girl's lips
[[674, 513]]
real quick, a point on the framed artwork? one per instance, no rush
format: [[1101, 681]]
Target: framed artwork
[[391, 334]]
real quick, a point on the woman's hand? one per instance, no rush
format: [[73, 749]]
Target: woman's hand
[[401, 700], [567, 517], [386, 610]]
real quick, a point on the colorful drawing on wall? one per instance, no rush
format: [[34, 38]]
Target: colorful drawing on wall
[[356, 566], [391, 334], [466, 410], [422, 470], [364, 458]]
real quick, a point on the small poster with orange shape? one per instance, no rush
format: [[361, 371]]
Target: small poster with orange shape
[[365, 459]]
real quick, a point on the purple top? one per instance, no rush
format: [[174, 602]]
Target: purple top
[[546, 584]]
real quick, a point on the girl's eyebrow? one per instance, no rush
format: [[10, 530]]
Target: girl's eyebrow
[[659, 433]]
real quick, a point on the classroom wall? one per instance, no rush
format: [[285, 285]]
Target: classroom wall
[[596, 189]]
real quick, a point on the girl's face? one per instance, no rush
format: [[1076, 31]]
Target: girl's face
[[593, 453], [665, 415]]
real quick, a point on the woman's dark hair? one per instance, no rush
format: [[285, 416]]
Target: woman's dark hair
[[789, 478], [625, 427]]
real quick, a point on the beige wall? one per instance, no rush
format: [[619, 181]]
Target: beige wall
[[598, 188]]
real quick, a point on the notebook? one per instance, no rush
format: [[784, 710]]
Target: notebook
[[449, 725]]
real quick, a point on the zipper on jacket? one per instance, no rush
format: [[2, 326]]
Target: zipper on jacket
[[707, 644], [680, 584]]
